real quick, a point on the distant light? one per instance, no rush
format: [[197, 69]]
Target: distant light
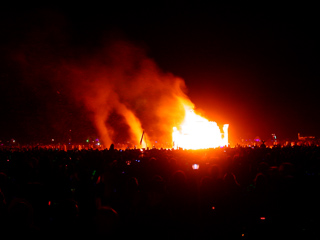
[[213, 208], [49, 203], [262, 218], [97, 140], [13, 140], [87, 140], [195, 166], [98, 144], [98, 180], [52, 139]]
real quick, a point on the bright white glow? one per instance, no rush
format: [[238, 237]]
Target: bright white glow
[[195, 166], [197, 132]]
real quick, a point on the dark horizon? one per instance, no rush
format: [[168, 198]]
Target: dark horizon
[[251, 67]]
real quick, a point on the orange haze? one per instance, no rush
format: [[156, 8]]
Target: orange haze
[[122, 90], [122, 79]]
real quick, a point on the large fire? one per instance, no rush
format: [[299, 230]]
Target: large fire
[[196, 132], [124, 93]]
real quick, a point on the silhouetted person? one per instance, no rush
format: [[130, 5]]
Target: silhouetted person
[[21, 218], [106, 223], [231, 204], [111, 147]]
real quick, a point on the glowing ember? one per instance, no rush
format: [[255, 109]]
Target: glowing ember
[[197, 132]]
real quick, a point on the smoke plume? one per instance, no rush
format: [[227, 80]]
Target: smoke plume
[[117, 86], [122, 80]]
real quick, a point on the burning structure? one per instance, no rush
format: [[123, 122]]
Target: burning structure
[[197, 132], [123, 93], [143, 99]]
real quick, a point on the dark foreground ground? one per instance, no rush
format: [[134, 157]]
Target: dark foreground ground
[[236, 193]]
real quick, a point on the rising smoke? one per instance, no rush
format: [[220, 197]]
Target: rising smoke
[[122, 80], [120, 89]]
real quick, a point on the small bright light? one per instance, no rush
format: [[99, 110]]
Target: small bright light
[[87, 140], [195, 166], [262, 218], [213, 208], [52, 139]]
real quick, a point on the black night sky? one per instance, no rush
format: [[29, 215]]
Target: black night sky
[[254, 67]]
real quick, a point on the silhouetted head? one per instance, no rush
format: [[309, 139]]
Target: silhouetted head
[[230, 180], [205, 183], [152, 160], [215, 171], [106, 221], [286, 169], [263, 167], [132, 184], [111, 147], [20, 214], [179, 178], [260, 181], [157, 184]]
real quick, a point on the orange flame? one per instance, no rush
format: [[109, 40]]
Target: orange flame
[[197, 132], [124, 93]]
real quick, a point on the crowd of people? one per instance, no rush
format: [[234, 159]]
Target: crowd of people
[[225, 193]]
